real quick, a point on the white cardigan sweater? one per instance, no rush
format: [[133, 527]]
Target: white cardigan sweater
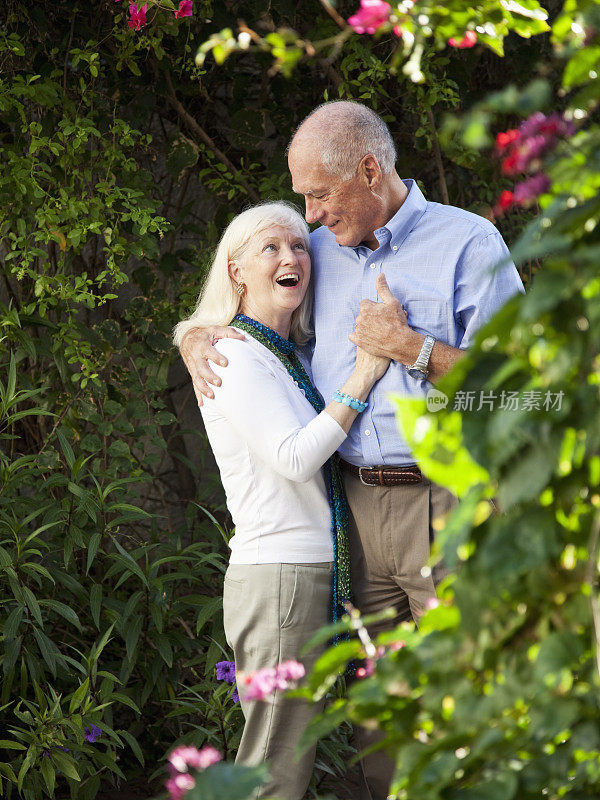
[[270, 445]]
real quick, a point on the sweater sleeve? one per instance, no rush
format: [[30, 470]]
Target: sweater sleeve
[[255, 399]]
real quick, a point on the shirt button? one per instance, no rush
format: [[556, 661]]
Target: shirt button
[[395, 247], [367, 432], [373, 266]]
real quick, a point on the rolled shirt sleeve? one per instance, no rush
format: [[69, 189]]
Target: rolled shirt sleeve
[[486, 278]]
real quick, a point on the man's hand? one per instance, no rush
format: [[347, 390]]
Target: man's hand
[[197, 350], [382, 328]]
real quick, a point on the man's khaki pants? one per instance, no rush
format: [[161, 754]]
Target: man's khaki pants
[[270, 611], [390, 535]]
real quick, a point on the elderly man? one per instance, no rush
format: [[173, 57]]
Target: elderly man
[[441, 288]]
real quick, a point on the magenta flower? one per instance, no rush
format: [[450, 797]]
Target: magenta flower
[[92, 733], [468, 40], [367, 670], [186, 9], [552, 126], [226, 671], [137, 17], [186, 756], [529, 190], [260, 684], [291, 670], [179, 785], [371, 15]]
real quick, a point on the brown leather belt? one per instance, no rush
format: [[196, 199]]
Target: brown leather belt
[[384, 476]]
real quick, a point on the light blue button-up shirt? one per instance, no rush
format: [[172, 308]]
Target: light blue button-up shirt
[[439, 262]]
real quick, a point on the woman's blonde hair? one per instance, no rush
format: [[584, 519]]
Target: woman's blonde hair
[[219, 301]]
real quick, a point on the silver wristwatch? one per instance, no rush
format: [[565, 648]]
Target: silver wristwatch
[[419, 369]]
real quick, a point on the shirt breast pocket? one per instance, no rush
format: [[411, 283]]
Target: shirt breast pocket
[[429, 317]]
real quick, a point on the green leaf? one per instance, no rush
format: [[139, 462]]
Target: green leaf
[[132, 633], [117, 697], [6, 744], [96, 603], [183, 153], [578, 68], [93, 546], [47, 649], [163, 646], [32, 754], [64, 610], [228, 780], [211, 607], [436, 442], [49, 775], [79, 696], [65, 764], [33, 605], [133, 743]]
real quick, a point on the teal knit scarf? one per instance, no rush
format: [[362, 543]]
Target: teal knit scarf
[[284, 350]]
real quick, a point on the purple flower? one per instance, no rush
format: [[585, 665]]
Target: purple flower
[[553, 125], [529, 190], [92, 733], [235, 696], [226, 671]]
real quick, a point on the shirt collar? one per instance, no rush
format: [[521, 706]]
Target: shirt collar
[[405, 219]]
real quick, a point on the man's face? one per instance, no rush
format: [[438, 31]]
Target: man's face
[[346, 207]]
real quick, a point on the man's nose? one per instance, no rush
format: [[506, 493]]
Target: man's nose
[[314, 211]]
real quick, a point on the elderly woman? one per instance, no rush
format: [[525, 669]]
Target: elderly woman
[[273, 440]]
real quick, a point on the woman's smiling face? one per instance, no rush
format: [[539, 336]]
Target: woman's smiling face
[[275, 269]]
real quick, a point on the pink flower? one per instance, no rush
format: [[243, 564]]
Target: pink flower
[[397, 31], [184, 757], [186, 9], [291, 670], [397, 645], [260, 684], [432, 602], [137, 17], [179, 785], [468, 40], [367, 670], [371, 15]]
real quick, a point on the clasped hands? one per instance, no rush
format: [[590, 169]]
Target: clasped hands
[[380, 328]]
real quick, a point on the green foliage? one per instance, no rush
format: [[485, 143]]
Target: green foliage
[[122, 162]]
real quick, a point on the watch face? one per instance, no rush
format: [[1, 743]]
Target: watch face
[[418, 374]]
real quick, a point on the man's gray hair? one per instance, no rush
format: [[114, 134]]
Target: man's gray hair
[[350, 131]]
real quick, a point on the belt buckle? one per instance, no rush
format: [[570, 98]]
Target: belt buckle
[[360, 477]]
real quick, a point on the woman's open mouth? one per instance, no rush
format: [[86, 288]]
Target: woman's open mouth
[[290, 279]]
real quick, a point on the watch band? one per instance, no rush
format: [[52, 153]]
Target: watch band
[[422, 362]]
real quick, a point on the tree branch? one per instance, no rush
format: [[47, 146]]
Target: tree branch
[[438, 157], [186, 117]]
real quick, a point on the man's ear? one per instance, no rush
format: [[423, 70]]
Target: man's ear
[[369, 167]]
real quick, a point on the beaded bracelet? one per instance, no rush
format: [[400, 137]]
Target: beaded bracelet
[[347, 400]]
